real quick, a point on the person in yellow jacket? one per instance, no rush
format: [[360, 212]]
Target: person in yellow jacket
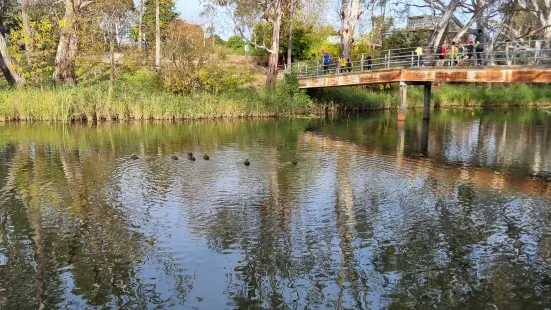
[[453, 54], [343, 64], [419, 53]]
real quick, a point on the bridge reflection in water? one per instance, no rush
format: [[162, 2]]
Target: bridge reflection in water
[[422, 150]]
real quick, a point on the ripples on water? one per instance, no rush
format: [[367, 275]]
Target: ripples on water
[[451, 214]]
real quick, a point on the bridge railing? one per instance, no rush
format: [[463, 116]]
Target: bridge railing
[[502, 54]]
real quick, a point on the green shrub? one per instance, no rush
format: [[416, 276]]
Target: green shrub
[[216, 79], [142, 79]]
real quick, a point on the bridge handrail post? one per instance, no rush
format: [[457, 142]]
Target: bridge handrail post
[[362, 63], [298, 69], [306, 70], [317, 67], [388, 60], [537, 49], [507, 54], [412, 58]]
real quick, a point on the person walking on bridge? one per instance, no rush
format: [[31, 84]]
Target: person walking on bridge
[[479, 42], [453, 55], [342, 64], [460, 53], [419, 53], [326, 62], [470, 52], [369, 62], [442, 51]]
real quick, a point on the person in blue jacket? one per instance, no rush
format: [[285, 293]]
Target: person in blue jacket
[[326, 62]]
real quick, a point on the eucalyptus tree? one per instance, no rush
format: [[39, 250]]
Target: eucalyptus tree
[[350, 14], [246, 14], [6, 63], [541, 10], [64, 70], [475, 14], [26, 30], [114, 17]]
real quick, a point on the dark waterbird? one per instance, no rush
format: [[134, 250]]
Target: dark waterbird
[[294, 161], [189, 154], [134, 156], [192, 158], [247, 163], [206, 157], [174, 157]]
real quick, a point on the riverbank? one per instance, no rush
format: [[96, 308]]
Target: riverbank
[[131, 101]]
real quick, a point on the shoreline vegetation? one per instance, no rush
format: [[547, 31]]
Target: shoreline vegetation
[[139, 99], [112, 61]]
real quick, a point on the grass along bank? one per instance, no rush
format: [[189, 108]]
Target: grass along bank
[[139, 100], [447, 95]]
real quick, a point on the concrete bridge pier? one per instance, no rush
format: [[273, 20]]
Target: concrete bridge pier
[[403, 101]]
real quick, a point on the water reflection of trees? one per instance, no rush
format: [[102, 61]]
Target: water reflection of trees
[[479, 248], [50, 211], [350, 227]]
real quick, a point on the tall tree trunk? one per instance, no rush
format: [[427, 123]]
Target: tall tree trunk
[[274, 52], [64, 71], [140, 22], [157, 37], [26, 30], [545, 19], [6, 65], [383, 27], [112, 70], [442, 25], [547, 35], [350, 13], [373, 24], [290, 45]]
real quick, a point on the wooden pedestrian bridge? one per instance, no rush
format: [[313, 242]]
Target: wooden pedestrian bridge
[[506, 63]]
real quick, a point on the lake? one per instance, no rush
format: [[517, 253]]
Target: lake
[[376, 214]]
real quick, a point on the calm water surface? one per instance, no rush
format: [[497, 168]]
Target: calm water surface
[[454, 213]]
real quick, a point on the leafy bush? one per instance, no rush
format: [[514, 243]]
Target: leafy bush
[[216, 79], [35, 64], [186, 55], [143, 79], [236, 43], [287, 97]]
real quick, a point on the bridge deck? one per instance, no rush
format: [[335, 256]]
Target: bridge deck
[[423, 75]]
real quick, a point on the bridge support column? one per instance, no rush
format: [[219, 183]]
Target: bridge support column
[[402, 103], [426, 101]]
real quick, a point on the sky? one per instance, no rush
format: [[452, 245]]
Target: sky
[[189, 9]]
